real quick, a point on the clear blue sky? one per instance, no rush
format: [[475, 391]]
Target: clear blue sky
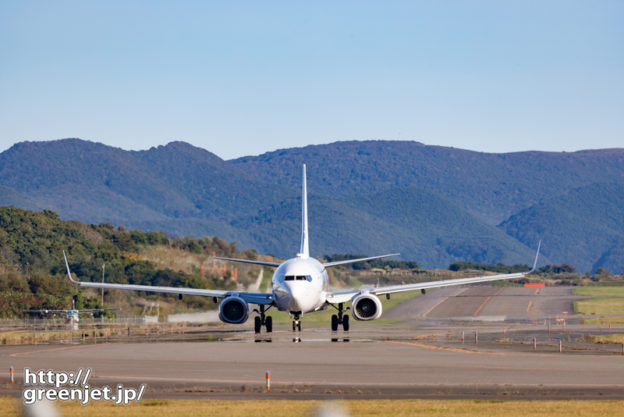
[[241, 78]]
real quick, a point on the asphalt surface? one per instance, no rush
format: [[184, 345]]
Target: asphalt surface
[[422, 357], [486, 303]]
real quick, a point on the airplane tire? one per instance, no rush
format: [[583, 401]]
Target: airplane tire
[[257, 324], [334, 323], [269, 324], [345, 323]]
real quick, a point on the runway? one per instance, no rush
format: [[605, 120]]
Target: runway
[[414, 359], [487, 303]]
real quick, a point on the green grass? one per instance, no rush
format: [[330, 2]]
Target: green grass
[[600, 291], [364, 408], [609, 300], [600, 306], [603, 320]]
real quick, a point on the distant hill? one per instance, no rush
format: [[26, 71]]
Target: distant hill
[[178, 188], [33, 275], [584, 226], [491, 186], [436, 205]]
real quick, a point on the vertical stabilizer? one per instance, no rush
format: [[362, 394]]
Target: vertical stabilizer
[[304, 251]]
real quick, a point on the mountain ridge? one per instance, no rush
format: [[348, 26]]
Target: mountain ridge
[[436, 205]]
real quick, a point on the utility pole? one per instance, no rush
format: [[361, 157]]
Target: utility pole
[[103, 266]]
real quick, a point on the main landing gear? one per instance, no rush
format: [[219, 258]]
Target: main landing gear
[[267, 322], [296, 324], [340, 318]]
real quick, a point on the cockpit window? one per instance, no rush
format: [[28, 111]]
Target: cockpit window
[[297, 278]]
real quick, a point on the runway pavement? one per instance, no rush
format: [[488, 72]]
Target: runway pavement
[[487, 303], [421, 358]]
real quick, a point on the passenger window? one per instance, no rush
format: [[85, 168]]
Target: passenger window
[[289, 278], [301, 278]]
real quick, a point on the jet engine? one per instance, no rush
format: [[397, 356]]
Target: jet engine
[[366, 307], [233, 310]]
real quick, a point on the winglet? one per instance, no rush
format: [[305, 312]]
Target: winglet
[[68, 271], [539, 245], [304, 251]]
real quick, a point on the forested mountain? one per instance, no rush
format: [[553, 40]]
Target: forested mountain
[[178, 188], [33, 275], [493, 187], [585, 226], [433, 204]]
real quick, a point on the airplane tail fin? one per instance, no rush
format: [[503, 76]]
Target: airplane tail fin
[[304, 251]]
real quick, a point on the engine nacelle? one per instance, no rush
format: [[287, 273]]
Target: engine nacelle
[[366, 307], [233, 310]]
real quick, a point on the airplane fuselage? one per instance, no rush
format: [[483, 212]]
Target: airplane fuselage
[[300, 285]]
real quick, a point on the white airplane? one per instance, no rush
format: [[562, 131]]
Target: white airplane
[[72, 315], [301, 286]]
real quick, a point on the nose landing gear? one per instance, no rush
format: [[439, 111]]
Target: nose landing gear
[[340, 318], [263, 320], [296, 324]]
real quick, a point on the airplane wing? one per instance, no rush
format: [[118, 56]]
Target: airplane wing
[[351, 261], [327, 264], [252, 298], [344, 296], [248, 261]]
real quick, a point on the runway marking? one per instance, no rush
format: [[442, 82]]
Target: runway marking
[[16, 354], [475, 352], [529, 307], [431, 347], [487, 300], [434, 306], [537, 291]]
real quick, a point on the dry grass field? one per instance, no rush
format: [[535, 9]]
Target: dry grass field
[[284, 408]]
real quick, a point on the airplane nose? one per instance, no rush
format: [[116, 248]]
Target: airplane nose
[[297, 297]]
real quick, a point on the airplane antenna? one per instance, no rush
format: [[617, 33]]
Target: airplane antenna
[[304, 251]]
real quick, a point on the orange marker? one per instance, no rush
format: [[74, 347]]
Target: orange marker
[[268, 380]]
